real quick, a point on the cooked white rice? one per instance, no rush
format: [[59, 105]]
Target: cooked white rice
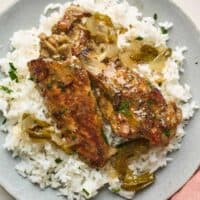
[[69, 175]]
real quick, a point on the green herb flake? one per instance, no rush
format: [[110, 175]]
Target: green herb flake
[[86, 192], [149, 103], [163, 30], [31, 79], [124, 108], [62, 86], [115, 190], [139, 38], [155, 16], [104, 136], [149, 84], [167, 133], [5, 89], [71, 153], [4, 121], [73, 137], [58, 160], [49, 86], [64, 111], [12, 73]]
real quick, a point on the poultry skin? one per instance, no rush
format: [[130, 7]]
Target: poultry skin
[[71, 103]]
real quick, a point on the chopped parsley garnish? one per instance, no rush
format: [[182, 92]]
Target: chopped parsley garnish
[[4, 121], [163, 30], [62, 86], [139, 38], [196, 63], [149, 103], [49, 85], [155, 16], [115, 190], [167, 133], [58, 160], [73, 137], [12, 73], [62, 112], [149, 84], [104, 136], [31, 79], [86, 192], [124, 108], [5, 89]]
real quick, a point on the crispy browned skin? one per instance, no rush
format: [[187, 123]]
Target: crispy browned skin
[[72, 105], [128, 102], [72, 15], [71, 24], [135, 108], [69, 37]]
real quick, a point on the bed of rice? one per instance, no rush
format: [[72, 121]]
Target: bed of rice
[[39, 162]]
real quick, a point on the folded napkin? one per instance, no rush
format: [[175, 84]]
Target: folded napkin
[[191, 191]]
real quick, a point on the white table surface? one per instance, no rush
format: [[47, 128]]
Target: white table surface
[[190, 7]]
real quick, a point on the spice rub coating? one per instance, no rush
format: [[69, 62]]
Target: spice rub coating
[[72, 105], [134, 107]]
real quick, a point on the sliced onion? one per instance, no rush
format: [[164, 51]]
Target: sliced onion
[[158, 63], [101, 27], [41, 131]]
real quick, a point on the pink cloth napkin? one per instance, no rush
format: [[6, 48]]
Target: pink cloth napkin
[[191, 191]]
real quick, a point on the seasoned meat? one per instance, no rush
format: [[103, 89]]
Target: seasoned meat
[[121, 97], [72, 105], [72, 15], [56, 46], [134, 107], [61, 46], [69, 36]]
